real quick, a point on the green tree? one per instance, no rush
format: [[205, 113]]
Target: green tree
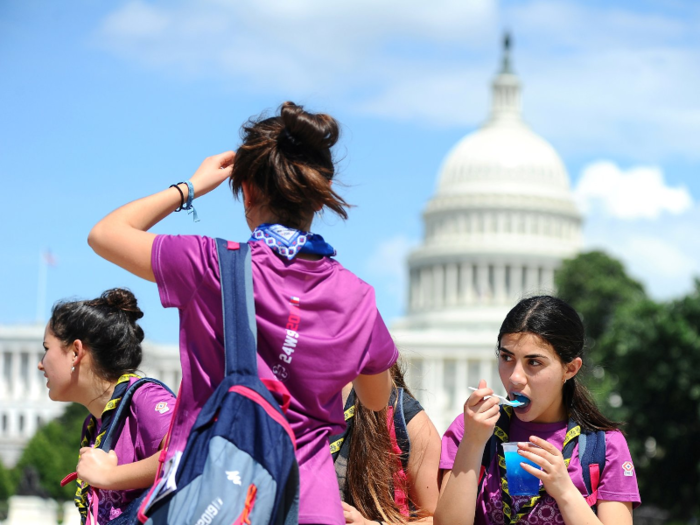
[[654, 350], [53, 452], [596, 284]]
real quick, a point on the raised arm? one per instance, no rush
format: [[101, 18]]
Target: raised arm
[[373, 391], [122, 236], [458, 494]]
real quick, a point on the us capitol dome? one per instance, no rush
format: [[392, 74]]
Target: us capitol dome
[[500, 223]]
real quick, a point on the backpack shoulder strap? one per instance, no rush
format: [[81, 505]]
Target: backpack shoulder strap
[[592, 455], [491, 450], [238, 304], [117, 422], [400, 428]]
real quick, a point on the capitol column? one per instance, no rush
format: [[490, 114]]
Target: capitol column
[[439, 286], [499, 282], [16, 377], [466, 292], [482, 282], [451, 290], [531, 282], [425, 285], [3, 383]]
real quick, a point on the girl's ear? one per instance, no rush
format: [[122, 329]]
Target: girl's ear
[[572, 368], [79, 352], [249, 196]]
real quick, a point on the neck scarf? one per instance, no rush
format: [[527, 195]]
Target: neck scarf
[[110, 409], [573, 431], [289, 242]]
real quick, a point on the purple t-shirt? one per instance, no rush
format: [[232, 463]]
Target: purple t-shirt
[[318, 329], [618, 481], [145, 426]]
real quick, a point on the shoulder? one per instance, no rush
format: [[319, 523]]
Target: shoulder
[[151, 400], [411, 407], [450, 442]]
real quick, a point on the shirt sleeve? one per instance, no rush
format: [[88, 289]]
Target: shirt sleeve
[[151, 410], [181, 263], [619, 478], [411, 407], [381, 350], [450, 443]]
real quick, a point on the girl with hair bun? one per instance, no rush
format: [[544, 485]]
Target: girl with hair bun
[[317, 323], [540, 352], [92, 352]]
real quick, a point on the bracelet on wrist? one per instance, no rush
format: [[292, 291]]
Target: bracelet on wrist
[[182, 197], [187, 204]]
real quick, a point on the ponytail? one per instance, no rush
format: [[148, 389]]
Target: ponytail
[[287, 161]]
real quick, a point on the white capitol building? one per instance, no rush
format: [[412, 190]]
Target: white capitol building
[[501, 221]]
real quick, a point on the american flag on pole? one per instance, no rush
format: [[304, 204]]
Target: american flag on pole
[[50, 259]]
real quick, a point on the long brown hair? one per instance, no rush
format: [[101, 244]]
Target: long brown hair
[[372, 465], [557, 323], [287, 159]]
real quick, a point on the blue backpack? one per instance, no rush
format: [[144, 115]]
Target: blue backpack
[[114, 429], [239, 463]]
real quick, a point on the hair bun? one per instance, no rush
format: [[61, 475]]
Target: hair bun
[[315, 130], [122, 299]]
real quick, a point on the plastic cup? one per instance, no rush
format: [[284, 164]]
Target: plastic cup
[[520, 482]]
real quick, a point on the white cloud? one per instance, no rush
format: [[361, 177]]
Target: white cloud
[[640, 192], [597, 79]]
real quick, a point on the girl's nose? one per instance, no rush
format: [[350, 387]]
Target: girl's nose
[[40, 366], [517, 376]]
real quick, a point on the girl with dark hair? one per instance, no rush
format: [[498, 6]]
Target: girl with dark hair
[[387, 461], [93, 349], [540, 352], [318, 326]]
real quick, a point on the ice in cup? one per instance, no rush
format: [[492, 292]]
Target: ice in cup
[[520, 482]]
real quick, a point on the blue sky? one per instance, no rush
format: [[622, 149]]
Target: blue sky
[[104, 102]]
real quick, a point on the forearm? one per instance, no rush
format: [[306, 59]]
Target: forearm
[[122, 238], [137, 475], [575, 510], [457, 504]]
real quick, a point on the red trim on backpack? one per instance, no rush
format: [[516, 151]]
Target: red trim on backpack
[[69, 478], [482, 471], [594, 469], [400, 478], [276, 387], [260, 400], [233, 245]]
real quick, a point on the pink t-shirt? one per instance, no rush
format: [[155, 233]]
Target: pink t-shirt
[[145, 426], [618, 481], [339, 335]]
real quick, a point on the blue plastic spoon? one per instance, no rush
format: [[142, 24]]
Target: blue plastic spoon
[[504, 400]]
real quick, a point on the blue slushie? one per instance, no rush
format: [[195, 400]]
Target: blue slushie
[[520, 483]]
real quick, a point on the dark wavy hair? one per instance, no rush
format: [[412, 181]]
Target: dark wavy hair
[[288, 160], [372, 465], [558, 324], [107, 327]]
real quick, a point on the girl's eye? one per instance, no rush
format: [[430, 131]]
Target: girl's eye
[[534, 362], [505, 357]]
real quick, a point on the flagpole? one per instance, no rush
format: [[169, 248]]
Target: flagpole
[[42, 283]]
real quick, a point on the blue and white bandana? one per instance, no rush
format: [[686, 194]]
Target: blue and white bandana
[[289, 242]]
